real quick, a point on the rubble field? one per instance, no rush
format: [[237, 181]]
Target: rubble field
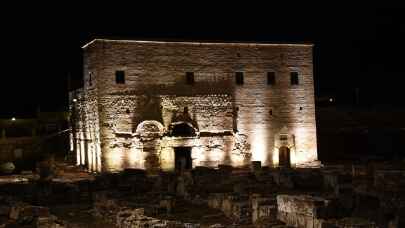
[[338, 196]]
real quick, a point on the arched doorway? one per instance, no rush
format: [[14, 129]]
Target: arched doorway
[[284, 157], [149, 133], [182, 154]]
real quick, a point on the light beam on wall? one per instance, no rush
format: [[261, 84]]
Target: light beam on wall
[[259, 144], [114, 159]]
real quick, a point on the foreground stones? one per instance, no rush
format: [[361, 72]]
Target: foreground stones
[[15, 213], [126, 212], [334, 197], [316, 212], [7, 168]]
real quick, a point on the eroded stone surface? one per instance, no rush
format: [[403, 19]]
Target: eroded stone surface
[[133, 125]]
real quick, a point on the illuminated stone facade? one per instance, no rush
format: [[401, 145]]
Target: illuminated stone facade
[[147, 104]]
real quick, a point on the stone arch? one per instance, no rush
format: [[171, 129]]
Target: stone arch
[[149, 133], [150, 129]]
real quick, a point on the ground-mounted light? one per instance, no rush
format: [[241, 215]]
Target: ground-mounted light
[[13, 119]]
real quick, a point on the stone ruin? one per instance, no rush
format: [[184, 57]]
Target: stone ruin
[[186, 134], [330, 197], [179, 105]]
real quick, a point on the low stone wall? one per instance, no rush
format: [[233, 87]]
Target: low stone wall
[[244, 209], [12, 149], [234, 206], [15, 213], [123, 215], [299, 211], [263, 208], [306, 211]]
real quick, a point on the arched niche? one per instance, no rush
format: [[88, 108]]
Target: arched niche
[[149, 133], [149, 129]]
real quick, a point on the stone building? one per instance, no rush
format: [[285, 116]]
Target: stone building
[[178, 105]]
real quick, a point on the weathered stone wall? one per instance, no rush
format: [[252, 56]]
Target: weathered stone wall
[[249, 118], [85, 120], [12, 149], [314, 212], [85, 129]]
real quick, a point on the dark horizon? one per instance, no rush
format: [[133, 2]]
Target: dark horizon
[[357, 47]]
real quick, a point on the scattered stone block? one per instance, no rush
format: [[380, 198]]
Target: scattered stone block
[[301, 210], [263, 207]]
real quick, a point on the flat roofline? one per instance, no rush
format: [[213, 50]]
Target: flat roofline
[[230, 43]]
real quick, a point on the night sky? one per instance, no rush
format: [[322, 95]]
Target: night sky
[[355, 46]]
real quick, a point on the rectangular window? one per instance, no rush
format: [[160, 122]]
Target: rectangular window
[[190, 78], [120, 77], [294, 78], [239, 78], [283, 137], [271, 78]]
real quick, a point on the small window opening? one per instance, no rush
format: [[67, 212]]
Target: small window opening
[[283, 137], [239, 78], [190, 78], [271, 78], [120, 77], [294, 78]]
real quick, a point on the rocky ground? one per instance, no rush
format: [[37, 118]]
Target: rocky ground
[[338, 196]]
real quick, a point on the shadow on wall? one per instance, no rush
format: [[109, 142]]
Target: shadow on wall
[[151, 110]]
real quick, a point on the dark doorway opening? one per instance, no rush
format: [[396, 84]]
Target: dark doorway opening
[[284, 157], [182, 159]]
